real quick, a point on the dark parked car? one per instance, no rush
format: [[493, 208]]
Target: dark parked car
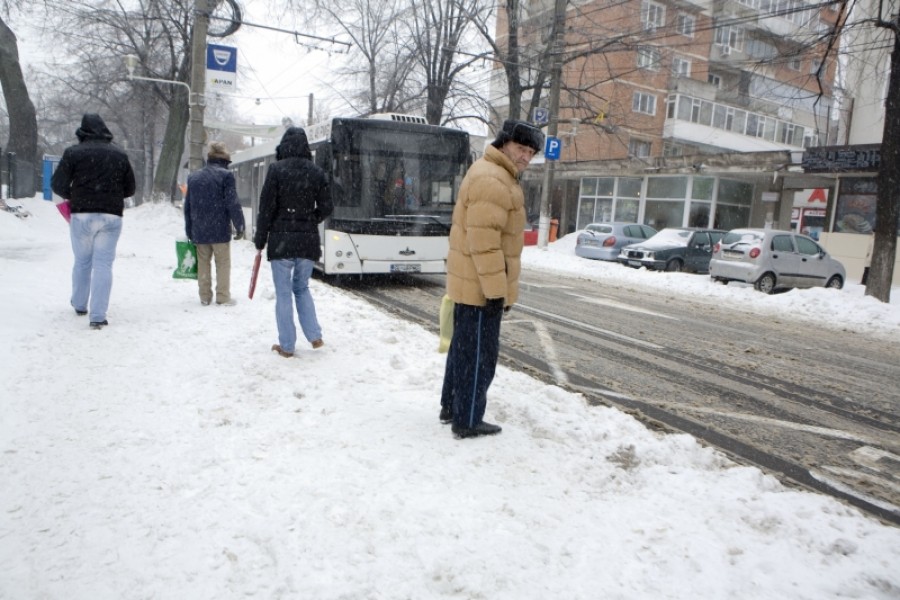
[[603, 241], [774, 260], [674, 249]]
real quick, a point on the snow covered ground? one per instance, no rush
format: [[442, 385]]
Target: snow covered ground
[[172, 455]]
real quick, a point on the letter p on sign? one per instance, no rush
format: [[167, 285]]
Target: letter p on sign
[[552, 148]]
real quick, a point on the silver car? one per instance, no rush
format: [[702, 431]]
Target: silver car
[[774, 260], [602, 241]]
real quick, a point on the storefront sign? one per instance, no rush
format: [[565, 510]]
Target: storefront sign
[[832, 159], [811, 197]]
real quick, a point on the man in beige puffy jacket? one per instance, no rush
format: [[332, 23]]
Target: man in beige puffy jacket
[[483, 265]]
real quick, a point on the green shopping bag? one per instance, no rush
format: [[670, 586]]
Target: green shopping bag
[[187, 260]]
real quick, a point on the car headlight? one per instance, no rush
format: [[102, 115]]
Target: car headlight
[[649, 255]]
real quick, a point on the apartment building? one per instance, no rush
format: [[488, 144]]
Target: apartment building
[[686, 112]]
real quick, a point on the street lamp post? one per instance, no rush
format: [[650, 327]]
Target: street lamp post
[[195, 103], [198, 82]]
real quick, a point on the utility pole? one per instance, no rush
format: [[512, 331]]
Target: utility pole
[[197, 98], [556, 51]]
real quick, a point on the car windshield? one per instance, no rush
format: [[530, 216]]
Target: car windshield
[[744, 237], [675, 237]]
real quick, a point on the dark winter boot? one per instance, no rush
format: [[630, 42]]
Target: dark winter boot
[[446, 416], [479, 429]]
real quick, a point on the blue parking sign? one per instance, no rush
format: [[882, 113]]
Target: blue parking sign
[[552, 148]]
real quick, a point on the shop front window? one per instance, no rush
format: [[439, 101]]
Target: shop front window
[[733, 204], [627, 210], [595, 200], [855, 210], [660, 214], [665, 201], [699, 214], [628, 199]]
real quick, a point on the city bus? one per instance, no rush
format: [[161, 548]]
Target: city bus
[[394, 182]]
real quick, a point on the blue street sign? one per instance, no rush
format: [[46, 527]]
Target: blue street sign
[[540, 116], [221, 58], [552, 148], [221, 68]]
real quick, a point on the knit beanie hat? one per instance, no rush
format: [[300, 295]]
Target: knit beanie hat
[[218, 150], [521, 133]]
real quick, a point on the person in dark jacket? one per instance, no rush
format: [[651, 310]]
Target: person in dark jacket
[[95, 176], [211, 208], [295, 198]]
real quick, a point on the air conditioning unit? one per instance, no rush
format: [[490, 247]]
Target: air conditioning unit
[[725, 50]]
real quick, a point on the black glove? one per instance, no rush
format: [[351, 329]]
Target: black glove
[[494, 306], [239, 235]]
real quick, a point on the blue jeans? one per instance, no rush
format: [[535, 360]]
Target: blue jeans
[[94, 240], [291, 279]]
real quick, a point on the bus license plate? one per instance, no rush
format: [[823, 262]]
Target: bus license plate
[[406, 268]]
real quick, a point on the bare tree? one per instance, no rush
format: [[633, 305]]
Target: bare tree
[[380, 55], [22, 117], [437, 30], [887, 207], [158, 32]]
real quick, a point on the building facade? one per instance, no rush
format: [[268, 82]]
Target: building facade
[[696, 113]]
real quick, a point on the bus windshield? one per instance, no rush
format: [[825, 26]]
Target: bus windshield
[[394, 178]]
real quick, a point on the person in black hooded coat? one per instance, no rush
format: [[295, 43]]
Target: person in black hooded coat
[[95, 176], [295, 198]]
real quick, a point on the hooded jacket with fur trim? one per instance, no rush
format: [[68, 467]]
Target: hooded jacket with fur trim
[[486, 238]]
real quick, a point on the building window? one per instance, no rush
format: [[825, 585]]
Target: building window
[[606, 199], [794, 64], [788, 133], [714, 80], [653, 15], [729, 38], [648, 58], [671, 149], [638, 148], [684, 24], [644, 103], [733, 204], [701, 111], [681, 67]]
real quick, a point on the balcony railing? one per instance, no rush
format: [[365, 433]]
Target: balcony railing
[[736, 120]]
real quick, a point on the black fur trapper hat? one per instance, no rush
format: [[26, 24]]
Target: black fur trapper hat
[[520, 132]]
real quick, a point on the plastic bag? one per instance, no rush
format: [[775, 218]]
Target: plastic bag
[[65, 209], [187, 260], [446, 321]]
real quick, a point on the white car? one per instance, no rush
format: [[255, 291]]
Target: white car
[[774, 260]]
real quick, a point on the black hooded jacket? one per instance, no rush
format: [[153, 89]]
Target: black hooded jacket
[[94, 175], [294, 199]]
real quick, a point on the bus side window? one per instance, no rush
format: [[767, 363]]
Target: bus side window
[[322, 158]]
